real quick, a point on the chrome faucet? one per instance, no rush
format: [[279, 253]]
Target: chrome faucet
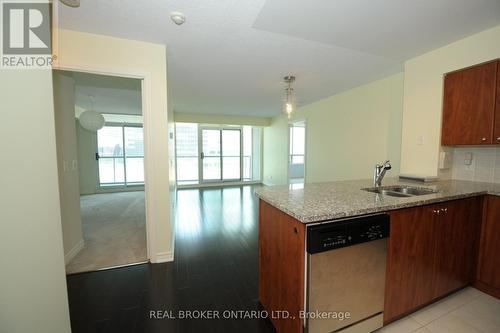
[[379, 172]]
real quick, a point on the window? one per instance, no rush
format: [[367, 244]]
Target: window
[[187, 152], [121, 155], [297, 152], [210, 153], [247, 152]]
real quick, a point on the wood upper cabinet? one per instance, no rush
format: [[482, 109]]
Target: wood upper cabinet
[[496, 131], [488, 268], [469, 105], [431, 253]]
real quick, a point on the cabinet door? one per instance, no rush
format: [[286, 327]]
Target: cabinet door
[[281, 267], [468, 105], [496, 133], [457, 233], [488, 272], [410, 258]]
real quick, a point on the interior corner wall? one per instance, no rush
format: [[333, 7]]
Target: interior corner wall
[[346, 134], [67, 159], [423, 96], [87, 164], [116, 55], [275, 152], [33, 293], [172, 171]]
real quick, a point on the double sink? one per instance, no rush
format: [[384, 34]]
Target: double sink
[[401, 191]]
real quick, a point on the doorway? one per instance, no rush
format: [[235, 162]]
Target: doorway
[[101, 170], [220, 155], [297, 152]]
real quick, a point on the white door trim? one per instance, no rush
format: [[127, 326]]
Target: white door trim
[[146, 95]]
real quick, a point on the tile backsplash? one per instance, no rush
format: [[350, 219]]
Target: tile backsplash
[[484, 167]]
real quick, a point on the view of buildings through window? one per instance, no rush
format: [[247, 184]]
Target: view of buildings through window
[[207, 153], [121, 155]]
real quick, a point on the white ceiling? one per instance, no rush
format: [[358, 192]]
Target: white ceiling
[[110, 94], [231, 55]]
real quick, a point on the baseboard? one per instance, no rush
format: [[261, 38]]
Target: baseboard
[[73, 252], [485, 288], [163, 257]]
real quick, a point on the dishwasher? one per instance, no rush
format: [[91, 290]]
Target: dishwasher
[[346, 263]]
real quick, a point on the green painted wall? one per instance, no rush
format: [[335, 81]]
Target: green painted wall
[[346, 134]]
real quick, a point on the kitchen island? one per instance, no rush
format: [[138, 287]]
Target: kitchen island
[[432, 249]]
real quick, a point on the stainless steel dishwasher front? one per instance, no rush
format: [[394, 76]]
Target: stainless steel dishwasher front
[[346, 275]]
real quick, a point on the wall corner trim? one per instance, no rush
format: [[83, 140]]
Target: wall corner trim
[[163, 257], [74, 251]]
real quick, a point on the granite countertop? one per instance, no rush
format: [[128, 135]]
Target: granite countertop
[[332, 200]]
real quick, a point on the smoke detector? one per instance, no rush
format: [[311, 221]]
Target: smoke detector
[[177, 17], [71, 3]]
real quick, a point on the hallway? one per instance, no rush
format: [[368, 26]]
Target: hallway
[[215, 268]]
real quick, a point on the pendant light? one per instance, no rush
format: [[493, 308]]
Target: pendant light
[[289, 102], [90, 119]]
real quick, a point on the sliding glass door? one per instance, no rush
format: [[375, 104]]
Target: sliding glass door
[[231, 155], [211, 155], [220, 154], [120, 152], [217, 154]]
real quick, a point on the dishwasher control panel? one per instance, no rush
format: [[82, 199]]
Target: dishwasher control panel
[[343, 233]]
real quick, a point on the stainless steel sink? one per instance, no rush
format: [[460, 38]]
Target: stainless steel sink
[[401, 191]]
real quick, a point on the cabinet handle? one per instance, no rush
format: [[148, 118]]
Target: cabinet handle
[[483, 139], [437, 211], [444, 210], [498, 139]]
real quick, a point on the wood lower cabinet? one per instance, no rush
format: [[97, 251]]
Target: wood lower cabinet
[[431, 253], [469, 105], [488, 267], [410, 256], [457, 236], [281, 267]]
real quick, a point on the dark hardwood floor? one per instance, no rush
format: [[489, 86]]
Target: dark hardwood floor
[[215, 268]]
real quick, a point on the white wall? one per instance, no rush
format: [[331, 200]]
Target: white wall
[[423, 92], [346, 134], [115, 55], [275, 152], [87, 164], [33, 296], [67, 159], [181, 117]]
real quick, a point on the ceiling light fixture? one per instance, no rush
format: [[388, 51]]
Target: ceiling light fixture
[[177, 17], [71, 3], [90, 119], [289, 102]]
